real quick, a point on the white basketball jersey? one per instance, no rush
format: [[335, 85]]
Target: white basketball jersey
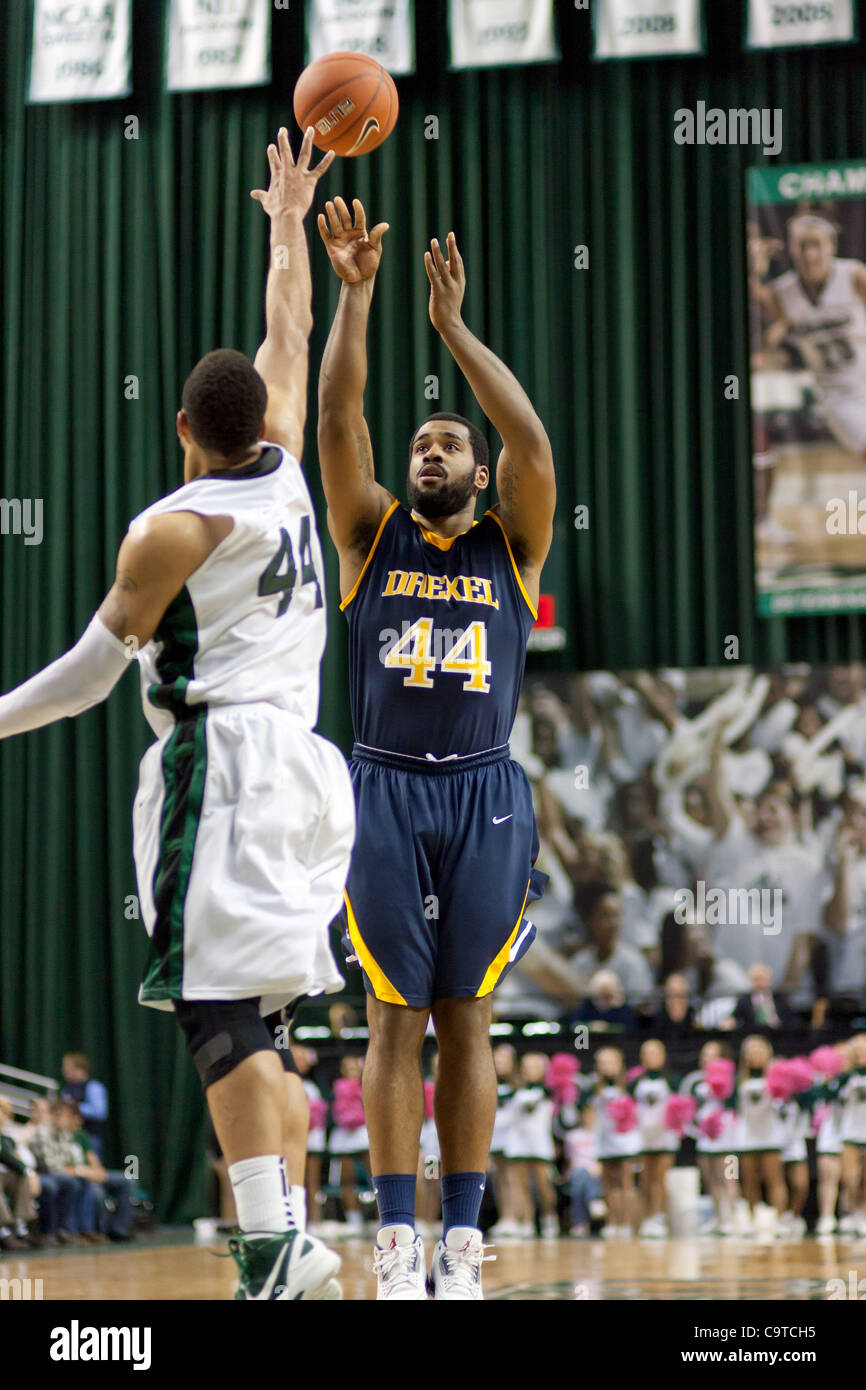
[[249, 624], [833, 328]]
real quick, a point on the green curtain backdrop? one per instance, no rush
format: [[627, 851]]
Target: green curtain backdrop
[[123, 260]]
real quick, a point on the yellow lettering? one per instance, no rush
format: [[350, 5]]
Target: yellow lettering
[[476, 590], [434, 586], [488, 594], [415, 584], [396, 583]]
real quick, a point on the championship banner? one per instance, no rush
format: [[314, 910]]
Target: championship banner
[[780, 24], [499, 33], [384, 29], [80, 52], [208, 49], [806, 246], [647, 28]]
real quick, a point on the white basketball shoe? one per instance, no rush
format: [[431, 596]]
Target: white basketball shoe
[[400, 1265], [457, 1261]]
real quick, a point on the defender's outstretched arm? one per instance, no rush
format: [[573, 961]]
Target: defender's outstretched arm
[[282, 359], [155, 560], [525, 480]]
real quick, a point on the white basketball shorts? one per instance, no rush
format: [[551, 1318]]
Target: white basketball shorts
[[243, 827]]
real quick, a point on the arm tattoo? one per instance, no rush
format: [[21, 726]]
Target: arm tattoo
[[116, 619]]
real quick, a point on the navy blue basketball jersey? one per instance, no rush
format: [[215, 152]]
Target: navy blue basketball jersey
[[437, 639]]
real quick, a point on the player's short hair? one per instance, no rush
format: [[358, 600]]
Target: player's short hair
[[811, 222], [224, 400], [480, 451]]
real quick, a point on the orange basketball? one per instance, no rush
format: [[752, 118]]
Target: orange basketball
[[350, 100]]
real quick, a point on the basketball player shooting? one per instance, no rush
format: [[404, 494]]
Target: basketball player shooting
[[244, 818], [820, 307], [439, 609]]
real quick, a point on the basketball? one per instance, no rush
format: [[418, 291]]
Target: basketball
[[350, 100]]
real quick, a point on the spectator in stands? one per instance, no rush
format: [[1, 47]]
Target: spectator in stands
[[90, 1096], [762, 1007], [774, 855], [675, 1021], [66, 1206], [109, 1197], [686, 950], [601, 915], [845, 912], [605, 1007], [18, 1188]]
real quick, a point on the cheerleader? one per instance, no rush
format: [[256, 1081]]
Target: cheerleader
[[348, 1140], [850, 1088], [529, 1147], [795, 1116], [658, 1143], [505, 1062], [758, 1134], [709, 1088], [618, 1140], [828, 1062], [305, 1059]]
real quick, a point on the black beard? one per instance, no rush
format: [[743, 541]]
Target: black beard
[[448, 500]]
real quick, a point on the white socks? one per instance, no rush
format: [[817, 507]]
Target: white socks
[[262, 1191], [299, 1205]]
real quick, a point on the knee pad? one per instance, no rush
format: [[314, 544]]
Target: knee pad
[[279, 1027], [220, 1034]]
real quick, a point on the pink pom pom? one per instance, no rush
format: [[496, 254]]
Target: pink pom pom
[[348, 1105], [801, 1073], [780, 1082], [719, 1076], [623, 1112], [827, 1060], [633, 1073], [429, 1088], [821, 1114], [679, 1112], [563, 1067], [711, 1125], [318, 1113]]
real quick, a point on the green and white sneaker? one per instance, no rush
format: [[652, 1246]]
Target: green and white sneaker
[[285, 1267]]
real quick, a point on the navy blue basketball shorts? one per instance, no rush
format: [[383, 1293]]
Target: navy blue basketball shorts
[[441, 874]]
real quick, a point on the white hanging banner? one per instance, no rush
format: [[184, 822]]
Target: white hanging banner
[[647, 28], [780, 24], [498, 33], [207, 48], [80, 52], [383, 29]]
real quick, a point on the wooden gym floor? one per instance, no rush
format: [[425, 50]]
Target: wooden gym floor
[[169, 1266]]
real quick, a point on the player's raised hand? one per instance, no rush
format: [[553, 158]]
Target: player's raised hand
[[292, 184], [355, 253], [447, 283]]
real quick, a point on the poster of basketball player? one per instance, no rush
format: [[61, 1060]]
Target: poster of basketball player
[[806, 248]]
